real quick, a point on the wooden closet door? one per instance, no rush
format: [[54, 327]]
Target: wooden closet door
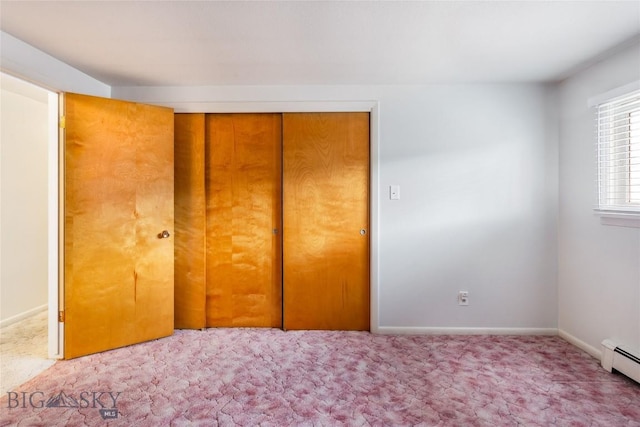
[[326, 221], [243, 191], [190, 222], [118, 198]]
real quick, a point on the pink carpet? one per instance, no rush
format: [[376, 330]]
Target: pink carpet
[[250, 377]]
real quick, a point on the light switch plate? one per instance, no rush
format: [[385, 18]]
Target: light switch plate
[[394, 192]]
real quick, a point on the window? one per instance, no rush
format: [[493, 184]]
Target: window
[[618, 130]]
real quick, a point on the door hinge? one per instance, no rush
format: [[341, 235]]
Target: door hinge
[[63, 122], [61, 316]]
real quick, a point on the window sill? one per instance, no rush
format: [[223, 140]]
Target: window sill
[[619, 218]]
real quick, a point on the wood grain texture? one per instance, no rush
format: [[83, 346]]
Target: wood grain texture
[[190, 222], [243, 187], [118, 286], [326, 204]]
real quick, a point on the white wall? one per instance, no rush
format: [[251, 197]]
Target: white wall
[[24, 196], [477, 166], [30, 64], [478, 169], [599, 265]]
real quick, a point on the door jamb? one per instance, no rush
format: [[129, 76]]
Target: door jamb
[[55, 220]]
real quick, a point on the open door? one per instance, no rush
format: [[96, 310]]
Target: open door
[[118, 224]]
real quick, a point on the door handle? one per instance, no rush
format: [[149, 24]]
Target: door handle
[[165, 234], [363, 231]]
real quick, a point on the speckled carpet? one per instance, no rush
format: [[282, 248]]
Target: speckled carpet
[[267, 377], [23, 351]]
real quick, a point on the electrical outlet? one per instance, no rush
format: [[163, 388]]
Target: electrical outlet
[[463, 298]]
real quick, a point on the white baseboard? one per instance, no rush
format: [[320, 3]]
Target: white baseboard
[[597, 353], [419, 330], [23, 315]]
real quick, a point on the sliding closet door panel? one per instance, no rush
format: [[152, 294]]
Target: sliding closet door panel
[[326, 221], [190, 222], [243, 193]]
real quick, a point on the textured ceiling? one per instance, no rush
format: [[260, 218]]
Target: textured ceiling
[[193, 43]]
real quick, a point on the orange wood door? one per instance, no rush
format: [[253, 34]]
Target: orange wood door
[[243, 193], [325, 207], [118, 198], [190, 222]]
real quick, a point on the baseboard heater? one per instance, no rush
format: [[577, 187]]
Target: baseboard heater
[[620, 359]]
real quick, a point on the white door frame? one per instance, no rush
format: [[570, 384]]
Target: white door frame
[[370, 106], [55, 217]]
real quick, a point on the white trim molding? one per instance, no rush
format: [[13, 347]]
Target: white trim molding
[[55, 249], [24, 315], [614, 93], [619, 219], [420, 330], [592, 351], [269, 106]]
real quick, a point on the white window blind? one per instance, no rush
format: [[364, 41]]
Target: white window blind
[[618, 129]]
